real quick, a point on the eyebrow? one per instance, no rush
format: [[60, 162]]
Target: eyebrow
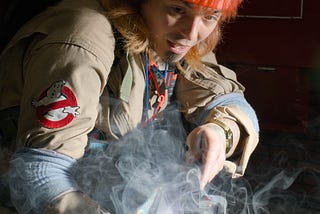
[[188, 4]]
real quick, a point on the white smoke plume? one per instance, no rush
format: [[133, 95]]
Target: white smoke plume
[[146, 172]]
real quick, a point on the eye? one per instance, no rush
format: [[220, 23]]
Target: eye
[[213, 16], [210, 17], [176, 10]]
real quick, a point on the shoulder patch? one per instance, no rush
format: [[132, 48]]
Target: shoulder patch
[[56, 106]]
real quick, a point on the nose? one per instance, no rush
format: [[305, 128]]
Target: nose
[[190, 27]]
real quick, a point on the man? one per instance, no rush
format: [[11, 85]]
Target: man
[[111, 65]]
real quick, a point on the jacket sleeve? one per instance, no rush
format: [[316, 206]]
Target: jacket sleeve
[[214, 92], [249, 137], [63, 83]]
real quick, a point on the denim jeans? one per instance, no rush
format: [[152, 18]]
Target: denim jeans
[[37, 177]]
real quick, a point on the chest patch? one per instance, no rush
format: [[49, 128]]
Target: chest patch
[[57, 106]]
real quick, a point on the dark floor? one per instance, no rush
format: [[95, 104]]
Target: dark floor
[[287, 167], [296, 155]]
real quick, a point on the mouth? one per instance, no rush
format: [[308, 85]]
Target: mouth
[[178, 48]]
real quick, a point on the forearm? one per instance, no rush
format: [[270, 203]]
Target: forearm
[[235, 130], [237, 114], [41, 181], [235, 99], [37, 177]]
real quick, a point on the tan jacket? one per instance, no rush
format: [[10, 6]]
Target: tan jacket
[[57, 67]]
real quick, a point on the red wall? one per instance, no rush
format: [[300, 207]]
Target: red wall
[[272, 54], [289, 42]]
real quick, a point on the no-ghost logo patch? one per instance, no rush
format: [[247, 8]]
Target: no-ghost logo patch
[[57, 106]]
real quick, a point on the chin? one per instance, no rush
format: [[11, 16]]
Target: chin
[[172, 57]]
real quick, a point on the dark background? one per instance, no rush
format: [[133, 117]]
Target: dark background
[[274, 47]]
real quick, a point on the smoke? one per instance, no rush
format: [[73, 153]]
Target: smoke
[[145, 172]]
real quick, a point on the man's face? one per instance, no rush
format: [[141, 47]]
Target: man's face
[[175, 26]]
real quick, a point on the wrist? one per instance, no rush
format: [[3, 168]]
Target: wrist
[[228, 134]]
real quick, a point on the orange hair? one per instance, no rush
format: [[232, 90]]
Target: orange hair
[[227, 7], [126, 17], [228, 10]]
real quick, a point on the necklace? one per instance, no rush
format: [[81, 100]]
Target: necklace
[[150, 74]]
